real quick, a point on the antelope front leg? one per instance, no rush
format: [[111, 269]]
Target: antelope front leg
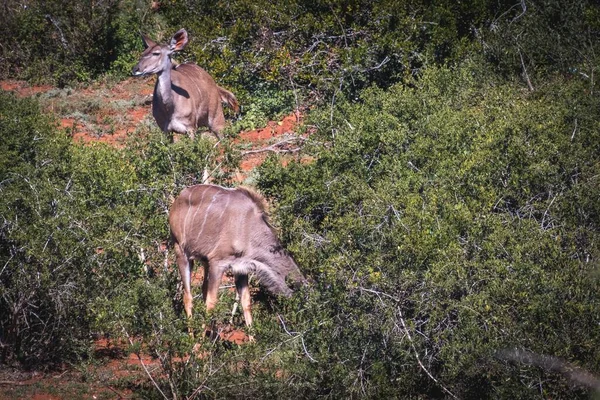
[[210, 286], [241, 284]]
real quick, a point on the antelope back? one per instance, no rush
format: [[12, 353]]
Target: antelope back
[[210, 221]]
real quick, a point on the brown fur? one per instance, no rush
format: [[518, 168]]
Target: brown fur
[[256, 197], [185, 96], [228, 229]]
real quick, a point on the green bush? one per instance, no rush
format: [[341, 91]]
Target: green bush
[[316, 47], [439, 225], [63, 42], [447, 217], [533, 39], [44, 278]]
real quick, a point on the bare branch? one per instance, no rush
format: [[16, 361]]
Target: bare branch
[[305, 350], [525, 74], [379, 294], [143, 365], [63, 41], [276, 147], [294, 335], [524, 8], [574, 130], [406, 331]]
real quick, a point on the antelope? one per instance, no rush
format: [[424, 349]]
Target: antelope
[[185, 96], [228, 229]]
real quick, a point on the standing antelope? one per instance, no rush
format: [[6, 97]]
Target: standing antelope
[[185, 96], [228, 229]]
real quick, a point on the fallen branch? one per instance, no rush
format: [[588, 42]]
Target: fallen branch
[[275, 147], [17, 383]]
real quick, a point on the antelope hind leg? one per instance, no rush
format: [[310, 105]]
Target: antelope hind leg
[[185, 271]]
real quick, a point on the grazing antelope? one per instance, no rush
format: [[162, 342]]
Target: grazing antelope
[[228, 229], [185, 96]]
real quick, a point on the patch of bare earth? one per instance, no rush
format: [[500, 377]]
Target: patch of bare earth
[[61, 385], [277, 137], [23, 88], [109, 113], [98, 113]]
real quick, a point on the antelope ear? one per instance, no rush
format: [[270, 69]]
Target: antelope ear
[[147, 41], [179, 40]]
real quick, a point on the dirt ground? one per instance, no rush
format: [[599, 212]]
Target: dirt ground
[[109, 113]]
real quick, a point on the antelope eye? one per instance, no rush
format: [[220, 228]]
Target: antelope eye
[[156, 53]]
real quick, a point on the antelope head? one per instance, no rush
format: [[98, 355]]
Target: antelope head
[[156, 58]]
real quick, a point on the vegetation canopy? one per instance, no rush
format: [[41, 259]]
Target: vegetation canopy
[[445, 206]]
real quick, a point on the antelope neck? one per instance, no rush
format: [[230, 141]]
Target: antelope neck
[[163, 84]]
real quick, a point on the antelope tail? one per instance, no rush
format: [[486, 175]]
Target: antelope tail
[[229, 98]]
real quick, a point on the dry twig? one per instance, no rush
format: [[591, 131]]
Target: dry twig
[[419, 358], [276, 147], [144, 365]]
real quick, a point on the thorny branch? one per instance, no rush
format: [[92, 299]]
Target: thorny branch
[[298, 335], [63, 41], [294, 335], [404, 328], [525, 74], [406, 331]]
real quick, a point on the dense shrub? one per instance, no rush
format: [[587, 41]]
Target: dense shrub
[[531, 39], [280, 55], [320, 47], [447, 216], [440, 226], [63, 42], [314, 47], [43, 279]]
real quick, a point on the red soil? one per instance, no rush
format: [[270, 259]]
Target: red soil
[[273, 129], [124, 121], [23, 88]]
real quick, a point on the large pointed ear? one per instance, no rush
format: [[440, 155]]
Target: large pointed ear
[[147, 41], [179, 40]]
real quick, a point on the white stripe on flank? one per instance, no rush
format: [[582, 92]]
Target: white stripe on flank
[[197, 209], [225, 208], [206, 213], [187, 215]]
